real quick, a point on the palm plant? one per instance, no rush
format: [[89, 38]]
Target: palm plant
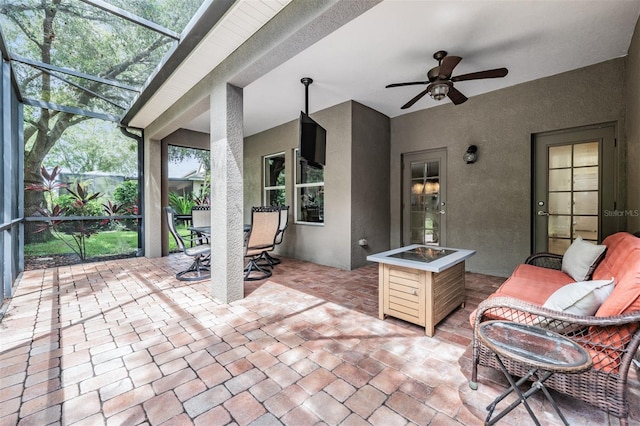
[[181, 204]]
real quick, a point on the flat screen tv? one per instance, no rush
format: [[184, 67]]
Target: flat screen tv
[[313, 142]]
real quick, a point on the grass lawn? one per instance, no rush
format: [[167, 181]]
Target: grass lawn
[[104, 243]]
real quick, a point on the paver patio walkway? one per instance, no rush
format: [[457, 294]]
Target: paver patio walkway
[[124, 343]]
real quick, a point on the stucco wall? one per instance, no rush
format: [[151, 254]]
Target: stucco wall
[[356, 185], [327, 244], [188, 138], [632, 91], [370, 183], [488, 202]]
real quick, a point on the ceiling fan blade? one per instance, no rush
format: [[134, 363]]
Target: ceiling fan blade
[[406, 84], [447, 66], [496, 73], [415, 99], [456, 97]]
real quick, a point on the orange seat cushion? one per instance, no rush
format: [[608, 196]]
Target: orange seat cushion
[[533, 284], [622, 262]]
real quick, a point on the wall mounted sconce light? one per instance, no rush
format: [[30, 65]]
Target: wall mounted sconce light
[[471, 155]]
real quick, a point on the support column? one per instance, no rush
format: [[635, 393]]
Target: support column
[[153, 198], [227, 242]]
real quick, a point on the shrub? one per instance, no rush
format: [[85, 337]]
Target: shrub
[[182, 205], [126, 194], [69, 204]]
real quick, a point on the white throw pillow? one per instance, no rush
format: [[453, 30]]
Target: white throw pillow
[[581, 258], [579, 298]]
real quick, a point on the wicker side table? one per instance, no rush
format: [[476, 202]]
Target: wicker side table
[[544, 351]]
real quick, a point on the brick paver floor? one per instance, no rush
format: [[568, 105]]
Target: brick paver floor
[[124, 343]]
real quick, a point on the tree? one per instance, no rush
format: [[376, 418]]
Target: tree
[[86, 39], [178, 154], [94, 145]]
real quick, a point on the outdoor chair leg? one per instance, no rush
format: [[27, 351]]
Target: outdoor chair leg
[[194, 272], [253, 266], [272, 260], [266, 259]]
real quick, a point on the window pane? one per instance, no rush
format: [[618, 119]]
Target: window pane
[[417, 170], [558, 245], [560, 180], [307, 174], [274, 197], [585, 179], [433, 169], [274, 170], [585, 202], [586, 227], [585, 154], [560, 226], [311, 204], [559, 156], [560, 202]]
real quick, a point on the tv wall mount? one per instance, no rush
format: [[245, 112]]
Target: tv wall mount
[[306, 81]]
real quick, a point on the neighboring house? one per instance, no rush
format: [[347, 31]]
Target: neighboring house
[[190, 183]]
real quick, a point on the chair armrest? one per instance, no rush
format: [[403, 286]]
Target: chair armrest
[[512, 309], [615, 338], [199, 239], [545, 260]]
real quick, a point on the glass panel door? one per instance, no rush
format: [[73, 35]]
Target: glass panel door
[[424, 211], [574, 187], [572, 194]]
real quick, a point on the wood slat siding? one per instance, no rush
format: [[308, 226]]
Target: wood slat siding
[[420, 297]]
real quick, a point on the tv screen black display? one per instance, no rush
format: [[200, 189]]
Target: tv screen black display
[[313, 141]]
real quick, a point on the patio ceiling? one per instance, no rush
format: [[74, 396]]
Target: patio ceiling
[[394, 42]]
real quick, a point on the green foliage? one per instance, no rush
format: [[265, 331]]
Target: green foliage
[[204, 192], [178, 154], [126, 193], [181, 204], [104, 243], [78, 36], [68, 203], [78, 201], [82, 149]]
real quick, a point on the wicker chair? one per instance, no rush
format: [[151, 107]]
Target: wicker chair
[[265, 224], [611, 341], [201, 251]]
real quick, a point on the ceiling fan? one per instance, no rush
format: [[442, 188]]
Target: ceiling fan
[[440, 83]]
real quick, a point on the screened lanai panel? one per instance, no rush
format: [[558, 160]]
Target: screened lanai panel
[[73, 91], [124, 47]]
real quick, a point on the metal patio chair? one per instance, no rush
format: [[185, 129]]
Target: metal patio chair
[[201, 251], [284, 222], [265, 225]]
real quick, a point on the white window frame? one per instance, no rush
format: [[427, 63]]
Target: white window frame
[[297, 185], [266, 188]]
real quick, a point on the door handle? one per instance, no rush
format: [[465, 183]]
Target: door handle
[[541, 213], [442, 212]]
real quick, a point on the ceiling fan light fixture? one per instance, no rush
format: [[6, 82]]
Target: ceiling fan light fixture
[[439, 91]]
